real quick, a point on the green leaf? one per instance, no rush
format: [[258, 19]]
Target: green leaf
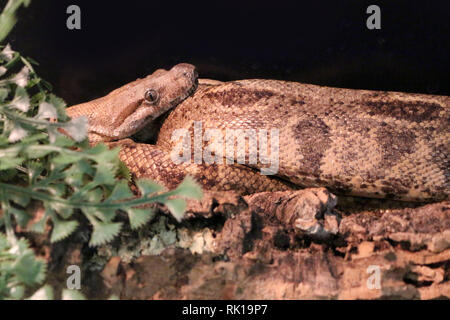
[[104, 155], [8, 18], [35, 169], [38, 98], [104, 232], [4, 245], [97, 149], [61, 209], [105, 215], [121, 191], [33, 153], [28, 269], [104, 175], [4, 142], [19, 198], [57, 189], [62, 229], [10, 163], [34, 137], [147, 186], [124, 172], [189, 188], [3, 94], [7, 22], [176, 207], [94, 195], [39, 226], [76, 173], [64, 142], [139, 217], [22, 217], [64, 158]]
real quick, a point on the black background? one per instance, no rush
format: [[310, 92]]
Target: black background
[[319, 42]]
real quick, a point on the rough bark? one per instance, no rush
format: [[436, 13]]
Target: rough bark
[[274, 245], [286, 245]]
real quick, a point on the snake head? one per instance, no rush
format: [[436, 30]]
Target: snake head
[[128, 109]]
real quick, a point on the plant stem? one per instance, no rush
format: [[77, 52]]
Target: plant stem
[[77, 204], [15, 117]]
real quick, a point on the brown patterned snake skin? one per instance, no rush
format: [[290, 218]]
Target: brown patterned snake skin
[[354, 142]]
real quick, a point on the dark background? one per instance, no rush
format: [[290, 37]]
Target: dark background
[[319, 42]]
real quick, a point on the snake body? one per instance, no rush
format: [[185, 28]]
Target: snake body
[[356, 142]]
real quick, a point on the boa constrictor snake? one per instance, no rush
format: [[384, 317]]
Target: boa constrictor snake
[[355, 142]]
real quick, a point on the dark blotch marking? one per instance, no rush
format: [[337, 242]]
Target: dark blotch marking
[[416, 111], [205, 178], [321, 182], [171, 176], [401, 186], [296, 102], [389, 192], [395, 144], [313, 139], [393, 188], [142, 171], [238, 96]]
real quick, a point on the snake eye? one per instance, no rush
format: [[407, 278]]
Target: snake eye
[[151, 96]]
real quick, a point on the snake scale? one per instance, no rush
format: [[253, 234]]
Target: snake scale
[[355, 142]]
